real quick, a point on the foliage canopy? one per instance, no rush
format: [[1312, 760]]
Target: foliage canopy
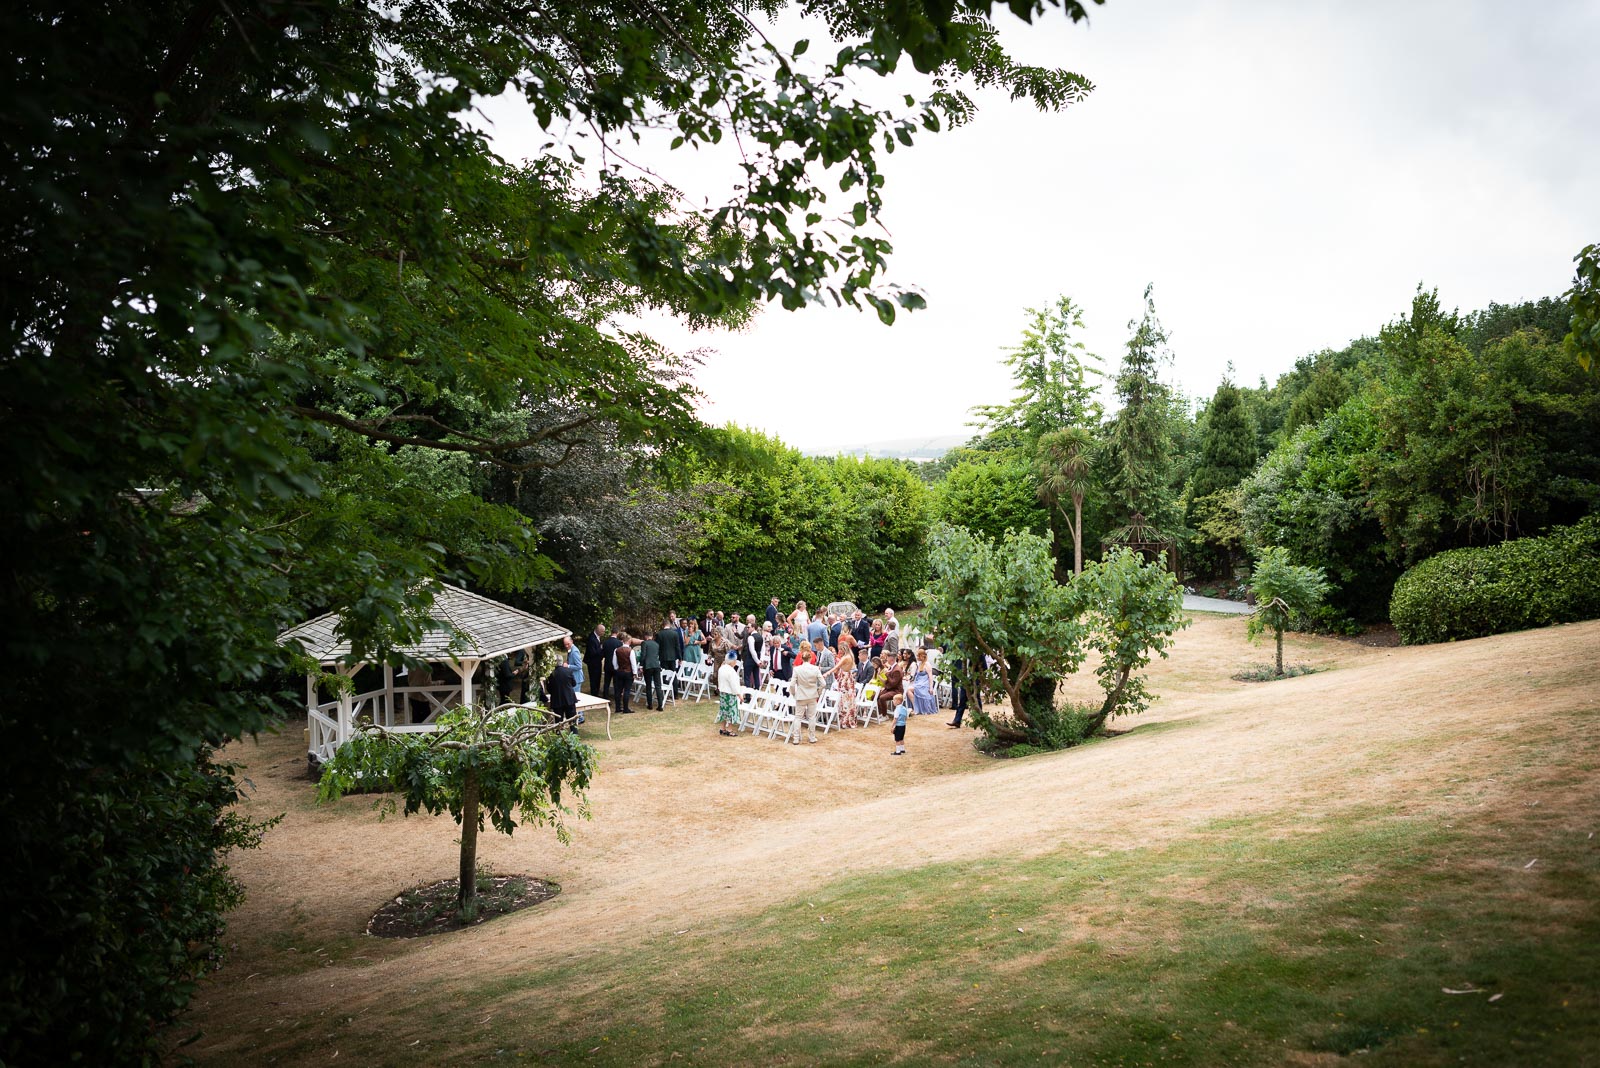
[[255, 251]]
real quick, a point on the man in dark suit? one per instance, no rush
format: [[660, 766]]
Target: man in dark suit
[[594, 655], [750, 653], [861, 630], [773, 613], [649, 662], [562, 688], [608, 663], [670, 640]]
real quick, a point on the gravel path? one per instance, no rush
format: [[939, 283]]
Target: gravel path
[[1215, 604]]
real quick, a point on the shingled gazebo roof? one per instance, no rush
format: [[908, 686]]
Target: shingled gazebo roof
[[470, 627]]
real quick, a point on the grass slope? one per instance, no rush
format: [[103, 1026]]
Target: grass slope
[[1317, 915]]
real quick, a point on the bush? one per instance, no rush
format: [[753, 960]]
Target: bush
[[1529, 582], [118, 884]]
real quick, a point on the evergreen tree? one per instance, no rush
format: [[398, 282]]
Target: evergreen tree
[[1141, 465], [1227, 444]]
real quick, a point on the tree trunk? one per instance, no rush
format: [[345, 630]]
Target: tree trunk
[[467, 892], [1110, 702], [1077, 536], [1279, 632]]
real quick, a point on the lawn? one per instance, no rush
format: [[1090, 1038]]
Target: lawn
[[1392, 860]]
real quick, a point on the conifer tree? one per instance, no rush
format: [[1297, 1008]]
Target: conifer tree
[[1227, 444], [1141, 457]]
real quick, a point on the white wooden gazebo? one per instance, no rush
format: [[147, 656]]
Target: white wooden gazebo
[[468, 629]]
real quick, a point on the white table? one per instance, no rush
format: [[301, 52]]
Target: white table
[[588, 702]]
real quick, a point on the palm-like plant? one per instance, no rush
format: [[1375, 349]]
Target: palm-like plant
[[1064, 461]]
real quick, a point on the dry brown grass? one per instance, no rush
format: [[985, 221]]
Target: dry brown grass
[[687, 823]]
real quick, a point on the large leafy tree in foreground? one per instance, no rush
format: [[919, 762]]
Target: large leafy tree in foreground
[[1000, 600], [242, 242]]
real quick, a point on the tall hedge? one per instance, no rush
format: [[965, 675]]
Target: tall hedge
[[1528, 582], [780, 524]]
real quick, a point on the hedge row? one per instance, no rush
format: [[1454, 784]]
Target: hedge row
[[1529, 582]]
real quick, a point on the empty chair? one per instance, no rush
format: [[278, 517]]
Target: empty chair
[[867, 704], [778, 716], [828, 711]]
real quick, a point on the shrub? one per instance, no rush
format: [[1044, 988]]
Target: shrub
[[120, 882], [1529, 582]]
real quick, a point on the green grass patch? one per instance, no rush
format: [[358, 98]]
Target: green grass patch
[[1247, 942]]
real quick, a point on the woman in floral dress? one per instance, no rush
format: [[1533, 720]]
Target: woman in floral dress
[[844, 682], [728, 696]]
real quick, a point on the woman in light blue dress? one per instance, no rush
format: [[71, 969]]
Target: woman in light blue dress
[[923, 698], [694, 644]]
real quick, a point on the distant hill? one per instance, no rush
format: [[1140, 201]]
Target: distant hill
[[919, 449]]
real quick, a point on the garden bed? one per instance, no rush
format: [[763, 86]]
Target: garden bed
[[431, 909]]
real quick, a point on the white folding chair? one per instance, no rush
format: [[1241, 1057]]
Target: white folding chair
[[696, 679], [778, 714], [669, 682], [867, 704], [828, 710], [751, 704]]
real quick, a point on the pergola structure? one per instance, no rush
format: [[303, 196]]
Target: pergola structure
[[1147, 540], [468, 630]]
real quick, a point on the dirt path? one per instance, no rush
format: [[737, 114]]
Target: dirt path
[[682, 816]]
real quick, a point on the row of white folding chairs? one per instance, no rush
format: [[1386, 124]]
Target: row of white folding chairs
[[773, 710], [694, 680]]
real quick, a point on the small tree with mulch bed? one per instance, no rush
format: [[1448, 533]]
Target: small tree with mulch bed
[[501, 764], [1283, 590]]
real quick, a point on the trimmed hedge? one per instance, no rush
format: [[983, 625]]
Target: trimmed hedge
[[1528, 582]]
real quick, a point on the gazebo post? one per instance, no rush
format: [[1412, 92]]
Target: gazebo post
[[466, 669], [388, 694], [346, 710]]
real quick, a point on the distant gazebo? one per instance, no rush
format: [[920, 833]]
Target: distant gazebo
[[468, 629], [1146, 539]]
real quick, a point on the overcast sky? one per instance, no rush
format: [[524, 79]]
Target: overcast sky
[[1284, 173]]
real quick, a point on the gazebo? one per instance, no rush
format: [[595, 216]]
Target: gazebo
[[467, 630]]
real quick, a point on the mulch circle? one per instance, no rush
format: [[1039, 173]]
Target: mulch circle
[[431, 909]]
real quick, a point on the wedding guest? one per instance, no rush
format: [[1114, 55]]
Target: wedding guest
[[728, 695], [924, 698], [844, 681]]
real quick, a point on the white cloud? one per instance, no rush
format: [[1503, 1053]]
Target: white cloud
[[1284, 174]]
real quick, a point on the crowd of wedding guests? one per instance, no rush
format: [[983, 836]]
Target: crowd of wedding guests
[[810, 652]]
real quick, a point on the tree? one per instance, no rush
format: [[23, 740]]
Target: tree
[[1227, 454], [1051, 375], [1133, 609], [1140, 446], [990, 494], [1471, 448], [613, 526], [1227, 444], [1583, 337], [1065, 467], [235, 234], [1283, 591], [1001, 600], [1309, 496], [496, 765]]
